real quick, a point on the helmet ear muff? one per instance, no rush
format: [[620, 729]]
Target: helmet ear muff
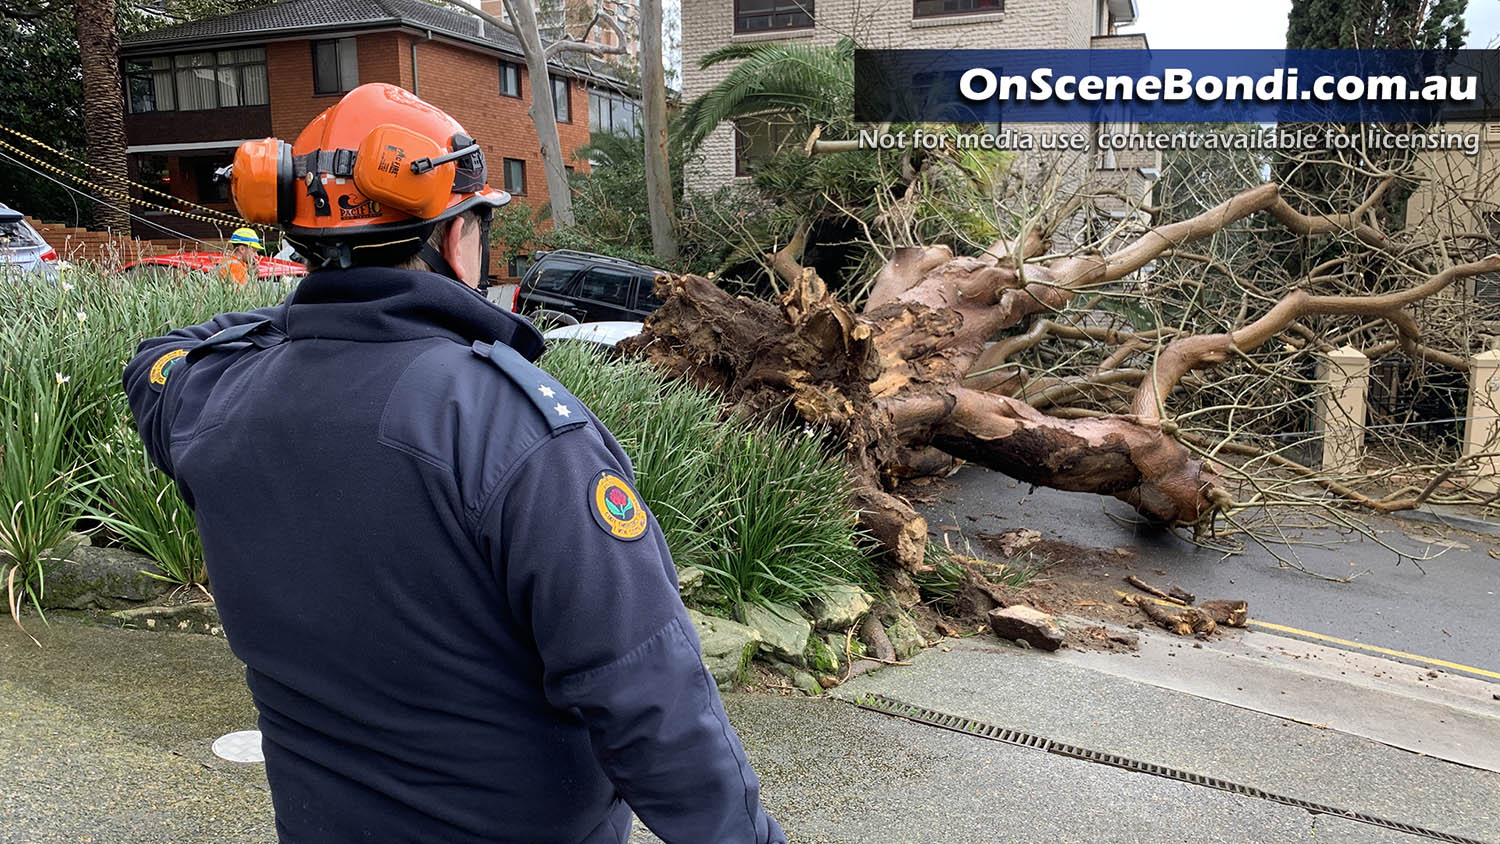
[[286, 184], [384, 171], [261, 181]]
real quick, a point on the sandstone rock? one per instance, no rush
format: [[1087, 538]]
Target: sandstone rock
[[1034, 627], [783, 630], [906, 639], [689, 580], [728, 647], [840, 607], [805, 681], [101, 578], [200, 617], [822, 655]]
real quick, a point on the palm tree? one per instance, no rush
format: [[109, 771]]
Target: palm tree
[[813, 85], [103, 100]]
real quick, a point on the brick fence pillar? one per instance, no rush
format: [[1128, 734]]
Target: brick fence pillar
[[1482, 430], [1344, 375]]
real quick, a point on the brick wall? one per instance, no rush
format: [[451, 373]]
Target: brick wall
[[466, 84], [74, 244], [383, 57]]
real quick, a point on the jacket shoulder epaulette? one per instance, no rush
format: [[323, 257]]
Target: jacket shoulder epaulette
[[262, 333], [558, 408]]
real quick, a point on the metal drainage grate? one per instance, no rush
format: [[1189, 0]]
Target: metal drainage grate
[[969, 726]]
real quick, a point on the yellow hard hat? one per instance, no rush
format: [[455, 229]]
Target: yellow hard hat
[[248, 237]]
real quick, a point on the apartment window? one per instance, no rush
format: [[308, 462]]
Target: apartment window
[[515, 176], [757, 139], [516, 267], [560, 99], [202, 172], [154, 171], [1487, 286], [938, 8], [612, 112], [763, 15], [149, 83], [197, 81], [335, 66], [510, 79]]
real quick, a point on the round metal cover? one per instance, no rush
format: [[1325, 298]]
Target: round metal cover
[[241, 746]]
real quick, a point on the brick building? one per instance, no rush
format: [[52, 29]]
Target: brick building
[[897, 24], [195, 91]]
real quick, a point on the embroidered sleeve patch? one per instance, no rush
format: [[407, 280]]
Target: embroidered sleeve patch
[[617, 508], [163, 366]]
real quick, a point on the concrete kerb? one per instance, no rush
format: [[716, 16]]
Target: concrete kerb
[[1428, 515]]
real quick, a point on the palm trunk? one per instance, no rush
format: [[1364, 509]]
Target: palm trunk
[[103, 104]]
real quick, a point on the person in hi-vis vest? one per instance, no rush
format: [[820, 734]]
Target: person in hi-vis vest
[[244, 245]]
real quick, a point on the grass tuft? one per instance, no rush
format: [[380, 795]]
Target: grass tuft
[[764, 512]]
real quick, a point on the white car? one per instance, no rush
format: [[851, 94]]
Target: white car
[[604, 333], [21, 247]]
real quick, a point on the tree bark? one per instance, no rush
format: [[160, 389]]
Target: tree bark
[[911, 373], [654, 114], [543, 113], [103, 101]]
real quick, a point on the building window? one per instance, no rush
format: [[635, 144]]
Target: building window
[[560, 99], [198, 81], [762, 15], [938, 8], [510, 79], [516, 267], [201, 170], [149, 82], [515, 176], [612, 112], [1487, 286], [154, 171], [335, 66], [758, 138]]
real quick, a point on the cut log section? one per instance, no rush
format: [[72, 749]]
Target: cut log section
[[1152, 590], [1184, 621]]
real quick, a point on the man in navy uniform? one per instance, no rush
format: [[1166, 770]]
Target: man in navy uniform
[[459, 621]]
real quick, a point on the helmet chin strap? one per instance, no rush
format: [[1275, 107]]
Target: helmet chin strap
[[437, 263]]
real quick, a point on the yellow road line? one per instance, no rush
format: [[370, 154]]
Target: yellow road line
[[1468, 669], [1349, 643]]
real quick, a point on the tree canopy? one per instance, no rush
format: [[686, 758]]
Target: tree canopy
[[1376, 24]]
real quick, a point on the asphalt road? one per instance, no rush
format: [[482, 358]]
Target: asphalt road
[[1445, 610]]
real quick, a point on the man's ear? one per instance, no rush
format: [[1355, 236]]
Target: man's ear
[[453, 251]]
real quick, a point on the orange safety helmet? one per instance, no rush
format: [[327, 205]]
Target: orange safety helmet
[[367, 181]]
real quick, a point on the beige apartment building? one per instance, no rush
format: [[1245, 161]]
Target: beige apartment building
[[890, 24], [1460, 191]]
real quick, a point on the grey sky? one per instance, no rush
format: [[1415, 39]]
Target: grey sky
[[1258, 24]]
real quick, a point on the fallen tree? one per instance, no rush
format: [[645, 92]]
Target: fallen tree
[[910, 381]]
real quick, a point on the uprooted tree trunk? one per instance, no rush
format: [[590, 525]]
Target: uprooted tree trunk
[[911, 372]]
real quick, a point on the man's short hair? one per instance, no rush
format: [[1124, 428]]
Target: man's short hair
[[469, 219]]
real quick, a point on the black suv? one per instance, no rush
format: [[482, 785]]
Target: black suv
[[567, 287]]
